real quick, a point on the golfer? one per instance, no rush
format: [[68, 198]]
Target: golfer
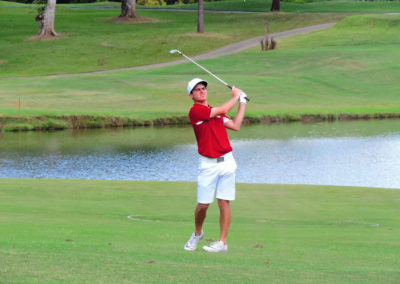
[[216, 163]]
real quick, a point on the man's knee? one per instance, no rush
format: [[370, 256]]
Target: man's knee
[[202, 207], [223, 203]]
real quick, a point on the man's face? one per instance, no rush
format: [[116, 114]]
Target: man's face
[[199, 93]]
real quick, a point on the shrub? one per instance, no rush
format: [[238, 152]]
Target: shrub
[[19, 127], [151, 2]]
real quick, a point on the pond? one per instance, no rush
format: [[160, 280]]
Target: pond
[[356, 153]]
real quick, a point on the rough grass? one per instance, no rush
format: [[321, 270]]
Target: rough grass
[[77, 231]]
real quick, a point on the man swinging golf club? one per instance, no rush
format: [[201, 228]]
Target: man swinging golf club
[[216, 163]]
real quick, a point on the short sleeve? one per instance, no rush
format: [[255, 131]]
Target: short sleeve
[[199, 113]]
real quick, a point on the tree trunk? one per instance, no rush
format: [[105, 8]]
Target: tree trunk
[[200, 17], [276, 6], [128, 8], [46, 20]]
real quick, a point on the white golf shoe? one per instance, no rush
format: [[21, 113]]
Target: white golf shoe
[[217, 246], [193, 241]]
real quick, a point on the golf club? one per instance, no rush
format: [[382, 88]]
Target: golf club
[[219, 79]]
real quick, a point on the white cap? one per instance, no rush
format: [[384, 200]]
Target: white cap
[[192, 83]]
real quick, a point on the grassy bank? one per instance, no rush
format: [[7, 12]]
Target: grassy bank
[[90, 41], [349, 71], [346, 72], [60, 122], [78, 232]]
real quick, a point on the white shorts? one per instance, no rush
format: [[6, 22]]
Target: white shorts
[[215, 174]]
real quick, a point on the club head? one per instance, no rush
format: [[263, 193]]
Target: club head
[[172, 51]]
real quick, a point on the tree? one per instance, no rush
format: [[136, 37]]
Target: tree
[[200, 18], [46, 20], [276, 6], [128, 9]]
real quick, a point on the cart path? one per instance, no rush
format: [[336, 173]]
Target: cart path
[[228, 49]]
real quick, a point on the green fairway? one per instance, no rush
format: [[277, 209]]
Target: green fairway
[[78, 231], [97, 231]]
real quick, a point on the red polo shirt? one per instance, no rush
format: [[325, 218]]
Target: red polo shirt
[[212, 138]]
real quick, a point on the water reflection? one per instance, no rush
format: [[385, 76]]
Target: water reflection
[[349, 153], [372, 161]]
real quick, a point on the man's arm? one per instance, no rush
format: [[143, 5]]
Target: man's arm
[[236, 123], [226, 107]]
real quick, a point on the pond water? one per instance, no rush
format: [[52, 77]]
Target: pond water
[[357, 153]]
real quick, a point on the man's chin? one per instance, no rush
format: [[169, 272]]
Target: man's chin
[[200, 101]]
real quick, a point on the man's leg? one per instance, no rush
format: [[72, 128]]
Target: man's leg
[[197, 235], [199, 216], [224, 218], [224, 221]]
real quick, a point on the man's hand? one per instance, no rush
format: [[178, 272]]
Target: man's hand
[[236, 123], [236, 92], [239, 94], [243, 98]]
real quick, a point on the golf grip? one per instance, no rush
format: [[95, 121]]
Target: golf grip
[[247, 98]]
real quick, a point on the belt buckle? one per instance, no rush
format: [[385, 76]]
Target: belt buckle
[[220, 159]]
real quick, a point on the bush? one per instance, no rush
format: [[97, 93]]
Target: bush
[[19, 127], [172, 2], [151, 2]]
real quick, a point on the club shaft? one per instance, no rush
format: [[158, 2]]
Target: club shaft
[[216, 77]]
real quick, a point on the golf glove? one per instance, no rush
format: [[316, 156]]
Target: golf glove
[[242, 98]]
